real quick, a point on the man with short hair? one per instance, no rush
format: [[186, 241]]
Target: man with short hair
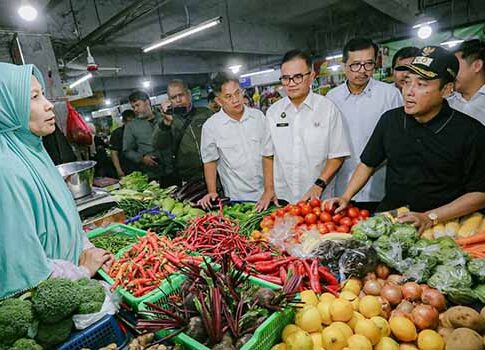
[[121, 163], [211, 102], [138, 137], [435, 155], [402, 57], [469, 97], [305, 142], [362, 100], [178, 134], [231, 144]]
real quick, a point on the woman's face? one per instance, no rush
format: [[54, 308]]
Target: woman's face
[[42, 119]]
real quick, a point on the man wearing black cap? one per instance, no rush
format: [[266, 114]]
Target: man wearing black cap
[[435, 155]]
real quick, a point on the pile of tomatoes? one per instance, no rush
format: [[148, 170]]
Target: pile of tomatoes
[[314, 214]]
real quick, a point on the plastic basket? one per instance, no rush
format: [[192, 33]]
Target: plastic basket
[[104, 332], [153, 211], [115, 230], [264, 337]]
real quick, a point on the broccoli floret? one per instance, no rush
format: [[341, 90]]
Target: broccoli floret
[[55, 299], [49, 335], [26, 344], [91, 291], [16, 317], [89, 308]]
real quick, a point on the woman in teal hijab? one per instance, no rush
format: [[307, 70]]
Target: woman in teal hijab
[[40, 230]]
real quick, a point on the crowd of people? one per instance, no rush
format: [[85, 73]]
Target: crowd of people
[[419, 142]]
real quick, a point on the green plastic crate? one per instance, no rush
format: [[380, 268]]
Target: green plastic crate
[[116, 229], [268, 334]]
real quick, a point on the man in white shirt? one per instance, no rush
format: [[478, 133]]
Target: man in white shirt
[[469, 97], [362, 100], [231, 145], [305, 141]]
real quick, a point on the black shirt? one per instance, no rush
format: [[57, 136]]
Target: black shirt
[[116, 144], [431, 164]]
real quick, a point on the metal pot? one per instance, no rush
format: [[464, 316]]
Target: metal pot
[[79, 177]]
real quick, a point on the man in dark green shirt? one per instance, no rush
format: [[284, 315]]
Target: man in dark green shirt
[[179, 132]]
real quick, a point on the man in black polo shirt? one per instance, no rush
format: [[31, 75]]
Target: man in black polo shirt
[[435, 155]]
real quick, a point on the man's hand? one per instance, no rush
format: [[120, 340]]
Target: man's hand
[[94, 258], [314, 192], [205, 202], [341, 203], [266, 198], [418, 220], [167, 118], [149, 160]]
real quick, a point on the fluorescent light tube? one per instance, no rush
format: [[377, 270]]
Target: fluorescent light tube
[[80, 80], [257, 73]]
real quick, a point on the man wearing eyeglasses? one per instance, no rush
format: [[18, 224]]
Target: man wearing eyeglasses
[[469, 97], [178, 134], [231, 145], [362, 100], [305, 142]]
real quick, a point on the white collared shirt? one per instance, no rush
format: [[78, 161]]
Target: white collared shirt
[[236, 146], [474, 108], [301, 140], [361, 114]]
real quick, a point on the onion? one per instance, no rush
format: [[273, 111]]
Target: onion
[[425, 317], [434, 298], [372, 287], [406, 307], [392, 293], [370, 276], [395, 279], [381, 282], [399, 313], [385, 307], [382, 271], [411, 291]]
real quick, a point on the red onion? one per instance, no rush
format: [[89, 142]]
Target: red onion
[[411, 291], [425, 317], [434, 298], [392, 293]]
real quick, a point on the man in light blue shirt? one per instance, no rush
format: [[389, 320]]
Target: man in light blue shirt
[[362, 100]]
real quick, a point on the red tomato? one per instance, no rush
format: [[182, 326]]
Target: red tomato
[[299, 220], [310, 218], [280, 212], [267, 222], [343, 228], [295, 210], [329, 208], [364, 213], [343, 212], [301, 203], [325, 217], [272, 215], [337, 217], [355, 221], [288, 207], [346, 221], [317, 211], [354, 212], [314, 202], [306, 209], [330, 226], [322, 228]]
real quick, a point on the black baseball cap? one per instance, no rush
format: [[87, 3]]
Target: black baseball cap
[[433, 62]]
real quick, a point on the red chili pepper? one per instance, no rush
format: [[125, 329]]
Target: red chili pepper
[[272, 279], [283, 274], [328, 276], [237, 261], [269, 266], [259, 257], [315, 277], [332, 289]]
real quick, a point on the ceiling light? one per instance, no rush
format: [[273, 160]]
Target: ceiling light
[[107, 102], [257, 73], [146, 83], [334, 68], [81, 80], [452, 42], [334, 57], [27, 12], [424, 23], [425, 31], [184, 33], [235, 69]]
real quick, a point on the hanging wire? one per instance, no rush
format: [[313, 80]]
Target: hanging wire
[[229, 25], [97, 12], [78, 33]]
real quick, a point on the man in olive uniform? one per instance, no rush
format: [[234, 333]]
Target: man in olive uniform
[[179, 132]]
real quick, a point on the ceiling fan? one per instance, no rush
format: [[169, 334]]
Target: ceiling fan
[[72, 69]]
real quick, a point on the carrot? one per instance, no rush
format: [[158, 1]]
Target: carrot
[[478, 238]]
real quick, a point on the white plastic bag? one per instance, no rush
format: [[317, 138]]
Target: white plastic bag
[[110, 306]]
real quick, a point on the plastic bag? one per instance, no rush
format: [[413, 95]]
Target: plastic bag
[[77, 129], [110, 306]]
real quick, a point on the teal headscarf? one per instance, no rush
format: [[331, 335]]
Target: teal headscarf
[[38, 216]]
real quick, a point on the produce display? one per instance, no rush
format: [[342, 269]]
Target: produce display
[[146, 341], [464, 227], [113, 242]]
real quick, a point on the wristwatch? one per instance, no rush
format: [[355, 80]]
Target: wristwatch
[[433, 217], [321, 183]]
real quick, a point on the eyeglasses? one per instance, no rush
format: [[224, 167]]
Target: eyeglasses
[[355, 67], [237, 94], [297, 78]]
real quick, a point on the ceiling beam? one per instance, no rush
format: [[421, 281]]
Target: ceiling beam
[[401, 10]]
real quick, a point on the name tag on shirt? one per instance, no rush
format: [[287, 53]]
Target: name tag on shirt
[[282, 125]]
